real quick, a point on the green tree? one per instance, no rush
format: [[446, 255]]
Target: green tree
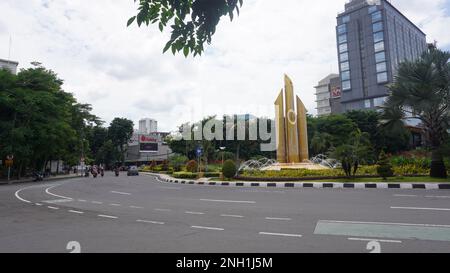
[[354, 152], [421, 91], [177, 161], [120, 132], [192, 22], [384, 168], [107, 154]]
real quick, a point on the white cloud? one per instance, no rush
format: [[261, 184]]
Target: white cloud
[[122, 72]]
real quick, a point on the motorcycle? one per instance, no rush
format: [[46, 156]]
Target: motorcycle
[[94, 173], [117, 173], [102, 173], [38, 176]]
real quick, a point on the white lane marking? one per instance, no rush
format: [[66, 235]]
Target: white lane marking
[[20, 198], [384, 223], [415, 208], [96, 202], [377, 240], [430, 196], [150, 222], [56, 201], [209, 228], [163, 209], [228, 201], [50, 207], [107, 216], [47, 190], [230, 215], [38, 204], [405, 195], [136, 207], [281, 219], [280, 234], [194, 212], [119, 192], [115, 205], [76, 211], [81, 200]]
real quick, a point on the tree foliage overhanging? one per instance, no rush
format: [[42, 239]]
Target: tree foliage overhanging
[[192, 22]]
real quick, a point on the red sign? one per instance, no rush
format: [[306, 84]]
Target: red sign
[[336, 92], [147, 139]]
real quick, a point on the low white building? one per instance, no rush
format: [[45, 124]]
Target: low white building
[[9, 65]]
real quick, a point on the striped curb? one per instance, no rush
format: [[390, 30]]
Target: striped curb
[[316, 185]]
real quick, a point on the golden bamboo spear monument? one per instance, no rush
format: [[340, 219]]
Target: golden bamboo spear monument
[[292, 134]]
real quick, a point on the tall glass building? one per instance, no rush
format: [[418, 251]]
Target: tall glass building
[[373, 37]]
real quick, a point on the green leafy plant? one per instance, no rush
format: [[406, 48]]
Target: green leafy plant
[[229, 169], [384, 168]]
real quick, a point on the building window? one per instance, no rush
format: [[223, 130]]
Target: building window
[[376, 17], [378, 37], [379, 101], [343, 48], [379, 46], [372, 9], [344, 57], [381, 67], [345, 66], [345, 76], [346, 19], [378, 27], [382, 77], [346, 85], [342, 29], [367, 104], [342, 38], [380, 57]]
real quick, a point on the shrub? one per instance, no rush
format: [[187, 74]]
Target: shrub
[[229, 169], [384, 168], [177, 162], [211, 174], [185, 175], [192, 166]]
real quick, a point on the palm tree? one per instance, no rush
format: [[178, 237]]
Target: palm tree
[[421, 91]]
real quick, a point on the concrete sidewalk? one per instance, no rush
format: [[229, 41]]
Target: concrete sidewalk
[[51, 178]]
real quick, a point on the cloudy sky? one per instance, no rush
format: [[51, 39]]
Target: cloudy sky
[[123, 73]]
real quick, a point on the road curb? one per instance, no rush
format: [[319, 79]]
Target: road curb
[[318, 185]]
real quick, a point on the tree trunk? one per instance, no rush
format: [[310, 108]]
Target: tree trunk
[[437, 165]]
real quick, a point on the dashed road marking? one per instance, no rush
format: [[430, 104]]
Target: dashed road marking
[[107, 216], [377, 240], [150, 222], [208, 228], [416, 208], [136, 207], [50, 207], [228, 201], [115, 205], [233, 216], [280, 234], [280, 219], [443, 197], [38, 204], [76, 211], [81, 200], [96, 202], [163, 209], [194, 212], [119, 192]]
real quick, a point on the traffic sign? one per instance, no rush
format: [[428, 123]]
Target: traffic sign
[[199, 151]]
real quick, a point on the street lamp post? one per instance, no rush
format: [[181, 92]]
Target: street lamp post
[[222, 149]]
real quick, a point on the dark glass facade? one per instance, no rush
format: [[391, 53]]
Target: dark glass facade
[[372, 40]]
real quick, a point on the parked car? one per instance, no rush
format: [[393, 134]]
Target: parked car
[[133, 170]]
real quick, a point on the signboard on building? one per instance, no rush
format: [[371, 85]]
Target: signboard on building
[[148, 144], [336, 92]]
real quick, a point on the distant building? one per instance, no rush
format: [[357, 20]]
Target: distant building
[[372, 40], [147, 144], [9, 65], [148, 126], [328, 93]]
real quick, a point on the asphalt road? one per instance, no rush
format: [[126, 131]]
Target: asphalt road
[[141, 214]]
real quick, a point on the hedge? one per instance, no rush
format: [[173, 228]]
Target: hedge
[[185, 175]]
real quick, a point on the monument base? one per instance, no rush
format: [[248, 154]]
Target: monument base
[[295, 166]]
